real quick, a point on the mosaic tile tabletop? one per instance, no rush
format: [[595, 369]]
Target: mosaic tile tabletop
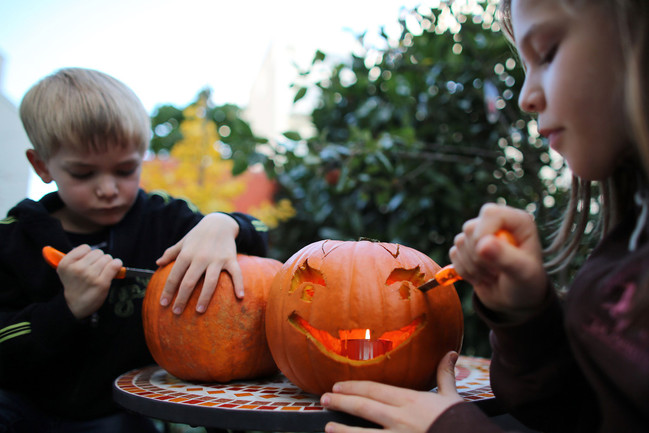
[[274, 394]]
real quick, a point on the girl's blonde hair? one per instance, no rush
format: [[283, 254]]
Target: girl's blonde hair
[[86, 110], [616, 192], [632, 19]]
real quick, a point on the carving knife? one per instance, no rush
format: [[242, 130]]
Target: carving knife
[[53, 257], [448, 275]]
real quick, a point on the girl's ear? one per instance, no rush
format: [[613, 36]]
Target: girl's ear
[[40, 167]]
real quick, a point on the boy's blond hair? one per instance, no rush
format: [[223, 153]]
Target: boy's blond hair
[[86, 110]]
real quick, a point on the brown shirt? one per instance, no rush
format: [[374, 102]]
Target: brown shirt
[[581, 365]]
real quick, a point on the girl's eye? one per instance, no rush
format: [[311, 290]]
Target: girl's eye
[[549, 55]]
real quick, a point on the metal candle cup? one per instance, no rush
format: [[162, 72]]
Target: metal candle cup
[[363, 349]]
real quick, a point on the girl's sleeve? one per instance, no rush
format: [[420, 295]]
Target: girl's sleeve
[[464, 418], [533, 372]]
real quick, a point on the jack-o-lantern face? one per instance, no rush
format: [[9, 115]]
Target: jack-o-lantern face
[[331, 297]]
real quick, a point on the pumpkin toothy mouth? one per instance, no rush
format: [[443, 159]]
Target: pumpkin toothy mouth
[[334, 346]]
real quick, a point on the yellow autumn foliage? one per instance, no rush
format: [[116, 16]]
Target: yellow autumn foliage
[[195, 171]]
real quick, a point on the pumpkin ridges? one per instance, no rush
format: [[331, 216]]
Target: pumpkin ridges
[[351, 268], [219, 345]]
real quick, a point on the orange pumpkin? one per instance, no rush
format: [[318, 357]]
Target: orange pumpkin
[[331, 294], [225, 343]]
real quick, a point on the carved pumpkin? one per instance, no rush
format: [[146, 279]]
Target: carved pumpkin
[[225, 343], [332, 293]]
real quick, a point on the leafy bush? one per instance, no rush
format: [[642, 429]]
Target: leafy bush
[[412, 139]]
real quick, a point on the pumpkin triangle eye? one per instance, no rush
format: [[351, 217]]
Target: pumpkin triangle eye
[[308, 278], [409, 278]]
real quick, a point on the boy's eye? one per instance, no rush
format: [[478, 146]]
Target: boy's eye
[[84, 175], [126, 173]]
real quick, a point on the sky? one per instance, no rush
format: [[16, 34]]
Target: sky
[[167, 51]]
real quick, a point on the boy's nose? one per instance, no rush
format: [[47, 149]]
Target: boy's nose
[[106, 188]]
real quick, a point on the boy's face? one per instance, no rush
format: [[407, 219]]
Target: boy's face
[[98, 189]]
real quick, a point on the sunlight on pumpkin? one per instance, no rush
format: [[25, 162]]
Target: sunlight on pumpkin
[[196, 171]]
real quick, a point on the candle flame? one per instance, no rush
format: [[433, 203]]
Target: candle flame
[[367, 334]]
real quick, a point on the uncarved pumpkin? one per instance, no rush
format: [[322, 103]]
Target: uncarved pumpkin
[[331, 291], [225, 343]]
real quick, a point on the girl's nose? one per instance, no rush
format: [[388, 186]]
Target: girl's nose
[[531, 99]]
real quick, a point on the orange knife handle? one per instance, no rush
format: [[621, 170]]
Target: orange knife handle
[[447, 275], [52, 256], [507, 236]]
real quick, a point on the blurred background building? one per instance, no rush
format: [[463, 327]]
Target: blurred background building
[[14, 168], [270, 111]]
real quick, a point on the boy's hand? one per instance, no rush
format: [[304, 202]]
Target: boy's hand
[[509, 280], [86, 275], [396, 409], [207, 249]]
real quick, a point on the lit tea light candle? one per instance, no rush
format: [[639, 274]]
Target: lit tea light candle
[[363, 349]]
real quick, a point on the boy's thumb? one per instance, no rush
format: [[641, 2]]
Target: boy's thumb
[[446, 374]]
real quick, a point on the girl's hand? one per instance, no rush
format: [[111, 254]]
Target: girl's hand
[[396, 409], [207, 249], [86, 275], [509, 280]]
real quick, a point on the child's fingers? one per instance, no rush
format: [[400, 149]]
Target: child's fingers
[[212, 276], [518, 223], [334, 427], [232, 267], [380, 392], [186, 287], [170, 254], [358, 405], [446, 375], [111, 269], [173, 282]]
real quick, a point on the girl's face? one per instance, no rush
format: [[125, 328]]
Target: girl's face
[[98, 189], [574, 75]]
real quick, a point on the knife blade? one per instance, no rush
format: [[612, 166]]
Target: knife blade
[[53, 256], [448, 274]]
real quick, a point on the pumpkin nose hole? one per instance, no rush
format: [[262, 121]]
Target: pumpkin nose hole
[[404, 291], [307, 293]]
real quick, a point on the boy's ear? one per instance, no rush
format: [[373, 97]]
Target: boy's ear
[[40, 167]]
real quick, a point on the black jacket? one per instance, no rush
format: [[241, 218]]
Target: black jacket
[[63, 365]]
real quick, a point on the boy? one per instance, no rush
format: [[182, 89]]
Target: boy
[[64, 338]]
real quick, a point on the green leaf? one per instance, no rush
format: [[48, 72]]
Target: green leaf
[[319, 57], [293, 135], [300, 94]]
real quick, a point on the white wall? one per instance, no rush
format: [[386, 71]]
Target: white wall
[[14, 168]]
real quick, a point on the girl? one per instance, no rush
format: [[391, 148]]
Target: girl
[[582, 364]]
